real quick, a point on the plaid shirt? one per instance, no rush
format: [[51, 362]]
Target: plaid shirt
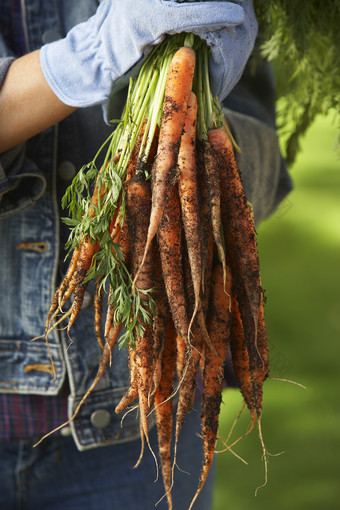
[[23, 416]]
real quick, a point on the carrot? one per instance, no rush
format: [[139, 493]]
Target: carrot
[[177, 90], [124, 245], [250, 375], [143, 362], [188, 383], [160, 323], [109, 314], [261, 370], [198, 316], [240, 359], [189, 197], [239, 230], [170, 249], [205, 292], [206, 234], [192, 360], [68, 275], [98, 303], [132, 392], [219, 328], [212, 180], [88, 249], [138, 216], [79, 265], [180, 358], [163, 407], [206, 287], [58, 297]]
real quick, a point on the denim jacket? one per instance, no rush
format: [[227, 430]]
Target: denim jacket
[[32, 179]]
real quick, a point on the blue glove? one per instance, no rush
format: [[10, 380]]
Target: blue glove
[[83, 68]]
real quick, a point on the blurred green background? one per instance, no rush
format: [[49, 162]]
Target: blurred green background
[[299, 249]]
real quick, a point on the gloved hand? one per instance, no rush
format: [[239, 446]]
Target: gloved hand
[[83, 68]]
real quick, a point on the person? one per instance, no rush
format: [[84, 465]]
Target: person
[[63, 65]]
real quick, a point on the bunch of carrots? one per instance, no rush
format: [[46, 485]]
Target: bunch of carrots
[[168, 235]]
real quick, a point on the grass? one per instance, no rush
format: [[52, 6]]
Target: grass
[[300, 264]]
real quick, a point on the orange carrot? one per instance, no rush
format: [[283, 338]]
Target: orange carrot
[[240, 235], [177, 90], [67, 278], [138, 216], [132, 392], [240, 232], [143, 362], [205, 293], [98, 303], [188, 383], [212, 180], [88, 249], [163, 407], [260, 371], [79, 264], [192, 360], [180, 358], [189, 197], [206, 234], [206, 287], [64, 290], [219, 328], [123, 241], [240, 359], [160, 323], [170, 249]]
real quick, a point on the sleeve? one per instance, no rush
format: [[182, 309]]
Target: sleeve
[[250, 111], [21, 182], [265, 177]]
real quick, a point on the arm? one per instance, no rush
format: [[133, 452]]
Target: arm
[[27, 103]]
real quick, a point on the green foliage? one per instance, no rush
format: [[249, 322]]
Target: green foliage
[[302, 39]]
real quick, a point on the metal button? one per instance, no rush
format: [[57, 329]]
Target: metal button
[[66, 431], [100, 418], [66, 170], [51, 35]]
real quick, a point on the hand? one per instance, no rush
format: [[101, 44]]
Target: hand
[[82, 68]]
